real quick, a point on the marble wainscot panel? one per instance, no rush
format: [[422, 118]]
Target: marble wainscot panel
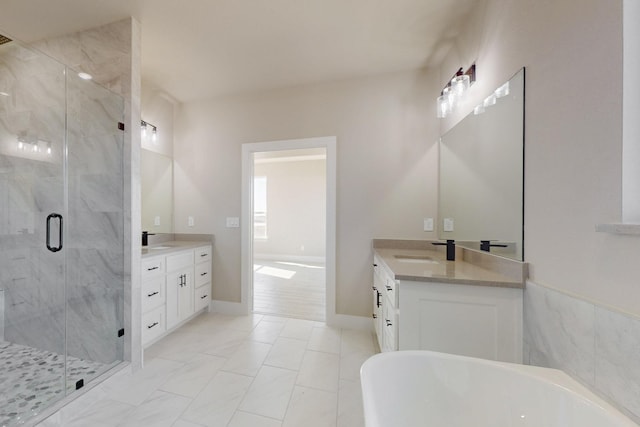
[[598, 346]]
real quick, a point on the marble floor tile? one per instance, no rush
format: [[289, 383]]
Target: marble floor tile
[[245, 419], [319, 370], [298, 329], [105, 412], [180, 346], [161, 409], [311, 408], [325, 339], [350, 408], [191, 378], [225, 342], [286, 353], [248, 358], [217, 403], [267, 332], [270, 392]]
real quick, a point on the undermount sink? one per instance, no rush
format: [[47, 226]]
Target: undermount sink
[[415, 259]]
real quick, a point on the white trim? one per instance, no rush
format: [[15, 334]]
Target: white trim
[[328, 143], [226, 307], [352, 322], [290, 258]]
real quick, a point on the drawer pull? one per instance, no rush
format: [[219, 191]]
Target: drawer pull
[[204, 296], [153, 268], [388, 322], [203, 274], [389, 288], [378, 303], [374, 288], [153, 293], [375, 316], [152, 325], [204, 255]]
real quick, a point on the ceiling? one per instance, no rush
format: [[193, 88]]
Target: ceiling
[[204, 48]]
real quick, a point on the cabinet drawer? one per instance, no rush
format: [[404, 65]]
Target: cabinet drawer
[[203, 254], [153, 324], [153, 293], [152, 267], [180, 260], [202, 297], [203, 273]]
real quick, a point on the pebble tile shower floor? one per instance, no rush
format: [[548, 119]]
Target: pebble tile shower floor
[[30, 380]]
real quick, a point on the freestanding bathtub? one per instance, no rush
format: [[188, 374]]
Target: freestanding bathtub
[[423, 388]]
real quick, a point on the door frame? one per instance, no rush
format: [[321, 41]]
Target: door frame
[[246, 220]]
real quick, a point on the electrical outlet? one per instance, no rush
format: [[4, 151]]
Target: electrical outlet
[[233, 222], [428, 224], [156, 220], [190, 221]]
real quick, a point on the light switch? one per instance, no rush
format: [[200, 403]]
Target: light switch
[[448, 224], [233, 222], [190, 221], [428, 224]]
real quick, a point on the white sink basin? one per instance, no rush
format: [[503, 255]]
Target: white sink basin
[[415, 259]]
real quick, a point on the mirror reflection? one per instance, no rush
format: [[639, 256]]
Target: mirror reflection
[[482, 175], [157, 192]]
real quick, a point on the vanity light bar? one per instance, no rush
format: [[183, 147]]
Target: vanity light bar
[[154, 130], [453, 92]]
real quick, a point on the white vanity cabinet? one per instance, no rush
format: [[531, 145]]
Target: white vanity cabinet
[[175, 286], [470, 320]]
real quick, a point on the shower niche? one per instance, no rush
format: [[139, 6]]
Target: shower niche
[[62, 264]]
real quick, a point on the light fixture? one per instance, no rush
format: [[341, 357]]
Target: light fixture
[[85, 76], [454, 91], [154, 130], [492, 99]]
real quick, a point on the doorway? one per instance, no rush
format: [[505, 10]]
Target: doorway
[[288, 228]]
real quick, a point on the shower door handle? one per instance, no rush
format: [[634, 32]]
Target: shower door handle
[[49, 218]]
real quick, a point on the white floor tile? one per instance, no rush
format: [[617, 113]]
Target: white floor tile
[[104, 412], [319, 370], [286, 353], [225, 342], [311, 408], [298, 329], [245, 419], [357, 341], [270, 392], [267, 332], [350, 410], [191, 378], [325, 339], [183, 423], [248, 358], [350, 364], [216, 404], [160, 410]]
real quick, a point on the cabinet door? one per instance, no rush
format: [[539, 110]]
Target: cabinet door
[[179, 296]]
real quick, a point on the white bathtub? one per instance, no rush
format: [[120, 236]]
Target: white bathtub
[[422, 388]]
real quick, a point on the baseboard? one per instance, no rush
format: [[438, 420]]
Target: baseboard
[[288, 258], [351, 322], [226, 307]]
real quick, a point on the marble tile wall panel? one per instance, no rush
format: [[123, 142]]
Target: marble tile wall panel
[[597, 346]]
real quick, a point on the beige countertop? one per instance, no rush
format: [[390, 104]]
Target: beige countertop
[[171, 246], [468, 269]]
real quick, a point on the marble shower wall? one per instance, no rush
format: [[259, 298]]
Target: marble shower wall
[[597, 346]]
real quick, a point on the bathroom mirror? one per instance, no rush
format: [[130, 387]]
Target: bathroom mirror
[[157, 192], [482, 174]]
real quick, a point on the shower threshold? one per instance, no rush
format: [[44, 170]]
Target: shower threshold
[[30, 380]]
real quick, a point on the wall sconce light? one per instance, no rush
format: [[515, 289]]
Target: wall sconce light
[[492, 99], [154, 130], [454, 91]]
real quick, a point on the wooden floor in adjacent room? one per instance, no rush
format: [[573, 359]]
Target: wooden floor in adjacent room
[[290, 289]]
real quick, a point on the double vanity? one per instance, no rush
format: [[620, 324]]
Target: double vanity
[[471, 306], [176, 285]]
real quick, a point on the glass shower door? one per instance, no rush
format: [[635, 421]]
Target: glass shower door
[[32, 208], [95, 237]]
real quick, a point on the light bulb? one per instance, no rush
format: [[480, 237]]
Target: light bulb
[[144, 130], [154, 135], [20, 145], [49, 148]]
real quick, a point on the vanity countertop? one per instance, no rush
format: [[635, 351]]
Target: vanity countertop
[[470, 268], [171, 246]]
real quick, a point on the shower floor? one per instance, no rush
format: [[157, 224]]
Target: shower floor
[[30, 380]]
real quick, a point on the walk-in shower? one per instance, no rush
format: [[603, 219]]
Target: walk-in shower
[[61, 232]]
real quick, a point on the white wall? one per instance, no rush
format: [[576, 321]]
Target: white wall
[[573, 135], [387, 167], [296, 209]]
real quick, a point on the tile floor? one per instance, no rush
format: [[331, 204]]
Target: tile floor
[[256, 370]]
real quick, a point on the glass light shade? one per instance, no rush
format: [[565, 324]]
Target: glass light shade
[[154, 135], [459, 84], [144, 130], [502, 91], [489, 100], [479, 109], [442, 106]]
